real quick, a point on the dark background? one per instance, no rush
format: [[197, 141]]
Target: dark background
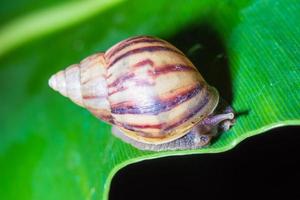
[[267, 165]]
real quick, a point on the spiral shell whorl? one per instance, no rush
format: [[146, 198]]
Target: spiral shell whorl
[[85, 85], [67, 83]]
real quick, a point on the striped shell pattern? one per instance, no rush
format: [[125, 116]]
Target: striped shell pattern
[[145, 86]]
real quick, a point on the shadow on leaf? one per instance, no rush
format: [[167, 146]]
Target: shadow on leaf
[[204, 47]]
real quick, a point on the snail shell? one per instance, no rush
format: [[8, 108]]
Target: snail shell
[[144, 86]]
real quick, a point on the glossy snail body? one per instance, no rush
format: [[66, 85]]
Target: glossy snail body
[[149, 91]]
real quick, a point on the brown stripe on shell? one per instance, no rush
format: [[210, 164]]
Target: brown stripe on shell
[[159, 105], [90, 79], [121, 79], [199, 107], [137, 82], [94, 97], [159, 70], [171, 68], [144, 62], [139, 36], [127, 43], [155, 73], [112, 49], [142, 126], [120, 89], [167, 128], [103, 116], [108, 76], [143, 49]]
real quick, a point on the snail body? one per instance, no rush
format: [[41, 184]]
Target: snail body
[[149, 91]]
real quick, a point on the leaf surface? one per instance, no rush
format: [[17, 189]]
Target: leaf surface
[[53, 149]]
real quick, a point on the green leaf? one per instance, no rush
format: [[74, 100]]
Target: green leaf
[[53, 149]]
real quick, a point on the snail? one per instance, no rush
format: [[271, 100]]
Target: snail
[[150, 92]]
